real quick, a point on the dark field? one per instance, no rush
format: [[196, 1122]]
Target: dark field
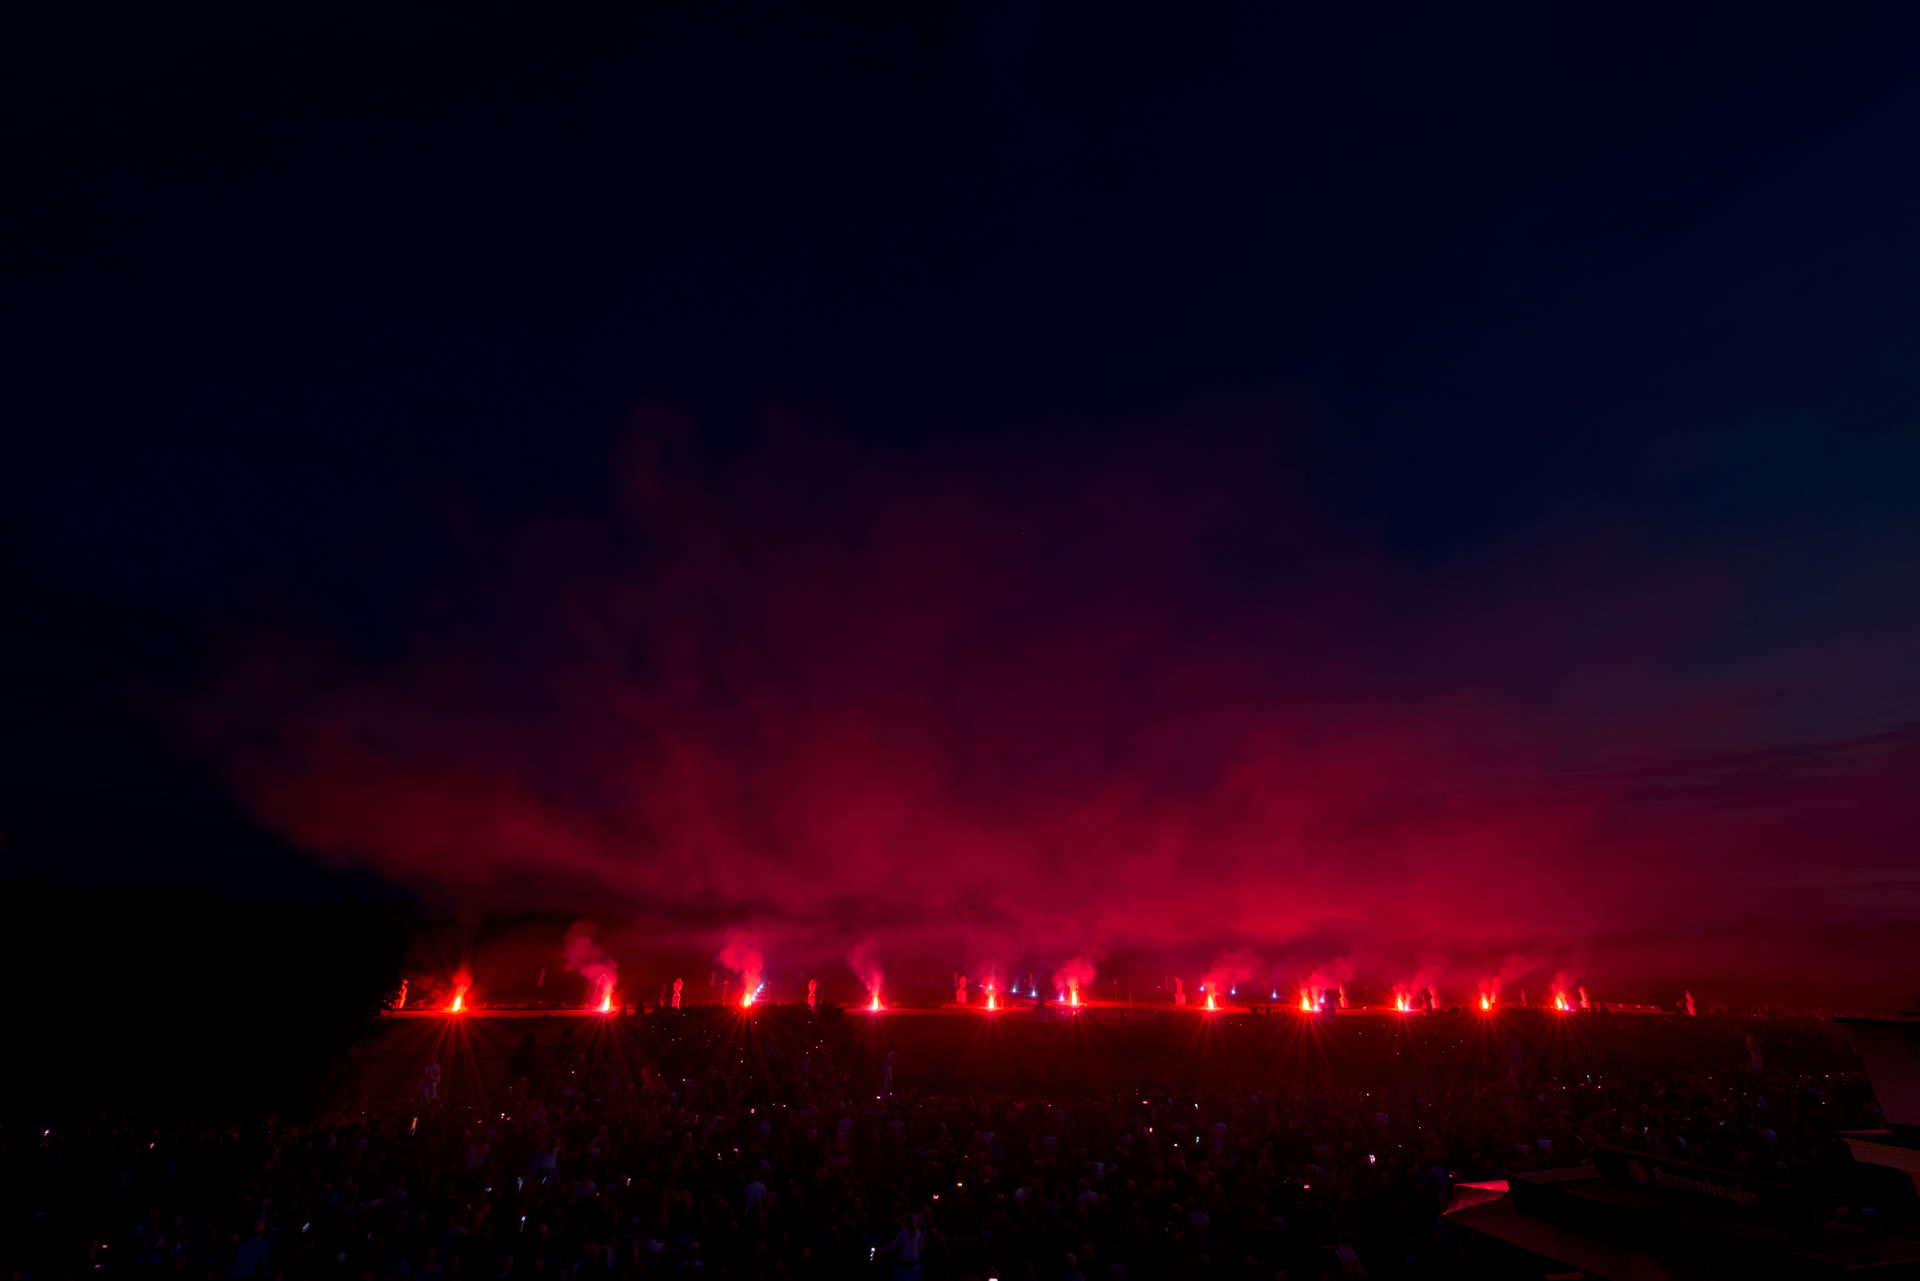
[[1096, 1145], [1102, 1049]]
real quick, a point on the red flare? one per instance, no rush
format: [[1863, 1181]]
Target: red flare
[[459, 1002], [606, 1003], [746, 1002], [990, 1004], [1400, 1004], [1210, 1004], [1306, 1002], [1559, 1000], [876, 1002], [1073, 995], [1485, 1004]]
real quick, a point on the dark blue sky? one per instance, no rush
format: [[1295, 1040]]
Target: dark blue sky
[[369, 348]]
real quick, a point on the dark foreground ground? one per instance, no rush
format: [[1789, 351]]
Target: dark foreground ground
[[1101, 1049], [710, 1143]]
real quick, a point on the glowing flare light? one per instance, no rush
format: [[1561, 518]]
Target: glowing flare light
[[1400, 1004], [459, 1003], [1560, 1000], [1485, 1003], [1073, 995]]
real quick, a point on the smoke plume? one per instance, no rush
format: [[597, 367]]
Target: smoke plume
[[1076, 975], [864, 959], [1230, 969], [744, 958], [586, 958]]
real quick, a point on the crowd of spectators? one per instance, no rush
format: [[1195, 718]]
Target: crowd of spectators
[[792, 1144]]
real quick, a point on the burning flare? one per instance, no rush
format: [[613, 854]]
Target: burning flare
[[459, 1002], [589, 961], [744, 957], [1210, 1004], [1306, 1002], [1485, 1002], [1400, 1004], [1559, 1000], [1073, 994], [876, 1000]]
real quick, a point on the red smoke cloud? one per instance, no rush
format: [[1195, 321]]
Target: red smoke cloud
[[863, 960], [1075, 977], [1025, 710], [744, 958], [1232, 968], [586, 958]]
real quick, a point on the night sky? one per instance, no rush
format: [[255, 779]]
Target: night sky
[[1427, 493]]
